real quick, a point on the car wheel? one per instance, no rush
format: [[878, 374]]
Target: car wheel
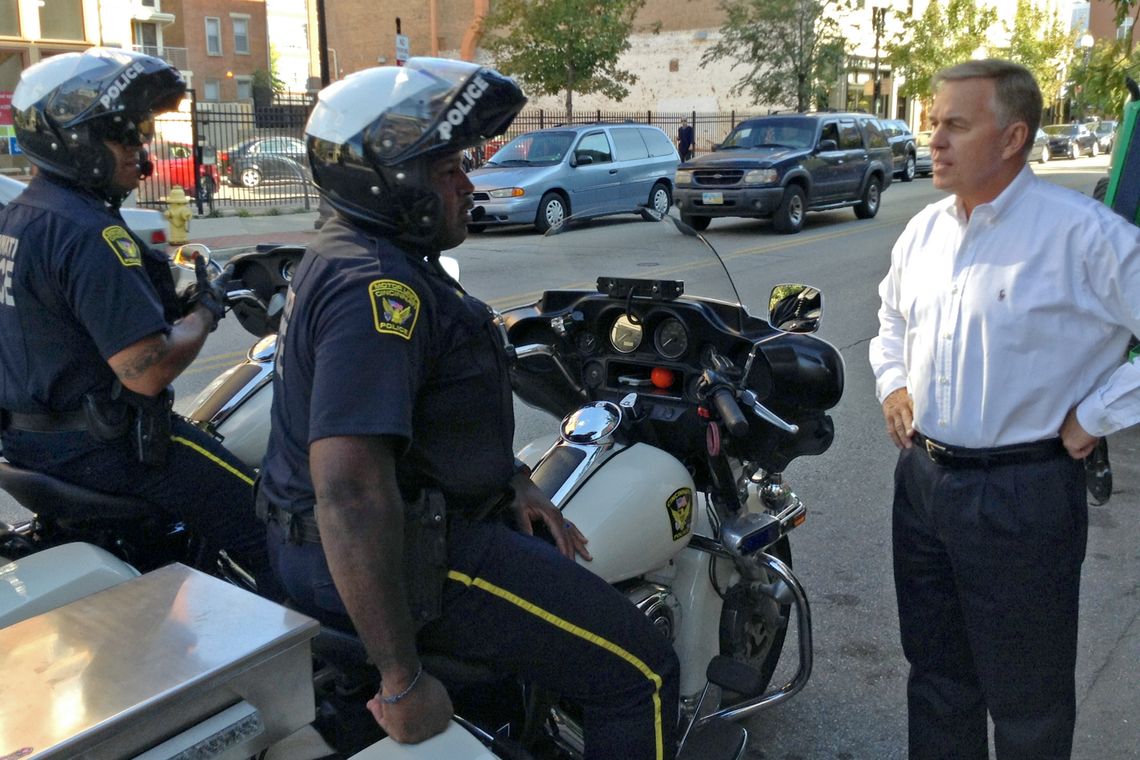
[[660, 199], [1100, 190], [1095, 150], [789, 217], [1045, 155], [908, 170], [249, 177], [1074, 151], [698, 223], [551, 211], [869, 205]]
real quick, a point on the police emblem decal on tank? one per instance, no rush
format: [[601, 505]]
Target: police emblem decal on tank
[[395, 307], [123, 245], [680, 508]]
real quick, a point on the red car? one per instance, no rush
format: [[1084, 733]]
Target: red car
[[174, 165]]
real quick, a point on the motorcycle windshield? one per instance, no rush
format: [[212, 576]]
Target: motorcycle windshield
[[647, 257]]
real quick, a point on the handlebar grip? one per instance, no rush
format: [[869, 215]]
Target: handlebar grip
[[730, 412]]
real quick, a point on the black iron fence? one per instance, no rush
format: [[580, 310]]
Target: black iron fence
[[249, 155]]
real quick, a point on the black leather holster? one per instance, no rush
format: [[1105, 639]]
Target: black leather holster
[[425, 556]]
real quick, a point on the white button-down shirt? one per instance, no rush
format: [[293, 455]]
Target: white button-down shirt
[[999, 324]]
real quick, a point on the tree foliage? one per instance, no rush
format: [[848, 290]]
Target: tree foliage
[[564, 46], [1098, 86], [1038, 40], [948, 33], [792, 50]]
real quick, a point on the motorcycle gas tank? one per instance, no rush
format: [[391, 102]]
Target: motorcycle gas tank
[[636, 509]]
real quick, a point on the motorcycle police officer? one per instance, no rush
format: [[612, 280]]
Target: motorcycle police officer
[[91, 330], [392, 407]]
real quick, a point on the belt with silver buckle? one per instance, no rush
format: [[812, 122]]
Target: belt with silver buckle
[[946, 455]]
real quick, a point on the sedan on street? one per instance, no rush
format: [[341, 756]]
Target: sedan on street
[[253, 161], [1072, 140]]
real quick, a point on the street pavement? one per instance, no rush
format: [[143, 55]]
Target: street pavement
[[229, 235]]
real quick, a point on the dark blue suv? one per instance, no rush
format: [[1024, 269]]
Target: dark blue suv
[[781, 166]]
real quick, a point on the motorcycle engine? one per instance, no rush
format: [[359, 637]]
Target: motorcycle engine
[[658, 604]]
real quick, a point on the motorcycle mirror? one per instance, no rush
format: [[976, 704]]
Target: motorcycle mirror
[[795, 308], [185, 255]]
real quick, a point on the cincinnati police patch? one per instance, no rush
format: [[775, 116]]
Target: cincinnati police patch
[[395, 307], [123, 245], [680, 508]]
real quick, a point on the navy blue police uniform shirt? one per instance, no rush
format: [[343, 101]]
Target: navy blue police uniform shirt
[[75, 289], [376, 342]]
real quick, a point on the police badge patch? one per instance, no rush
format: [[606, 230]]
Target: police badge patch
[[123, 245], [395, 307], [680, 508]]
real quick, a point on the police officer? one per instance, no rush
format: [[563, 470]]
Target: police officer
[[91, 331], [392, 394]]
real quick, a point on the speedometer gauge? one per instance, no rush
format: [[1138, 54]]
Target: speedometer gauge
[[625, 335], [671, 339]]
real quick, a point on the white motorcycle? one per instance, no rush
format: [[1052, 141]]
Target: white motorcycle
[[680, 412]]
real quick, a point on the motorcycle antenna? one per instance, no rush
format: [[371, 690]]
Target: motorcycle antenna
[[652, 214]]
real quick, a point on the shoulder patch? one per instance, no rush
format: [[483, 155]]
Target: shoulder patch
[[680, 508], [123, 245], [395, 307]]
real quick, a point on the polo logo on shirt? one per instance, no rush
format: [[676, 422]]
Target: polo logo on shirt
[[680, 508], [395, 307], [123, 245]]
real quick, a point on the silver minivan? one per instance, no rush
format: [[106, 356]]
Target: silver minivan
[[542, 177]]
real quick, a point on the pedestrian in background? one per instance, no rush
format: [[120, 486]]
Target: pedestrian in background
[[1005, 316], [685, 140]]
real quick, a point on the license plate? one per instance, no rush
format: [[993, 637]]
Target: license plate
[[712, 199]]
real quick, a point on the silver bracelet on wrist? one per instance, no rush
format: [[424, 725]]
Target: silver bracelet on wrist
[[397, 697]]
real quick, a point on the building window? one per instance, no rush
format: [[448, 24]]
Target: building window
[[213, 35], [241, 34], [244, 88], [10, 18], [1124, 31], [61, 19], [212, 90]]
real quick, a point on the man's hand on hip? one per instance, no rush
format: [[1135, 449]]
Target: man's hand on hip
[[1077, 441], [898, 411]]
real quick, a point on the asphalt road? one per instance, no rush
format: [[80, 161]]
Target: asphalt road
[[854, 706]]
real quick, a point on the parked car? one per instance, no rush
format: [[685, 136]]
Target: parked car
[[253, 161], [1039, 151], [542, 177], [174, 165], [903, 147], [781, 166], [1105, 132], [148, 224], [1072, 140]]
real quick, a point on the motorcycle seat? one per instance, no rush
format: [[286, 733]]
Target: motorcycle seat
[[64, 502]]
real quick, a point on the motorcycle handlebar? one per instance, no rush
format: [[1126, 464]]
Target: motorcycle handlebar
[[730, 412]]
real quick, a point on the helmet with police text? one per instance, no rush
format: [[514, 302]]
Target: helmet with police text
[[66, 106], [373, 135]]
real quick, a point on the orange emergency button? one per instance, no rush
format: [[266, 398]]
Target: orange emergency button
[[662, 378]]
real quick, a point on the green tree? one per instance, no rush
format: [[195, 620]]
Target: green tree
[[1099, 85], [1038, 40], [948, 33], [791, 49], [569, 46]]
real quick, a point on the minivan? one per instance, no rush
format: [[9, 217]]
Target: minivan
[[542, 177]]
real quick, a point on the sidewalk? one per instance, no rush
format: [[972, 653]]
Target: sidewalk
[[227, 236]]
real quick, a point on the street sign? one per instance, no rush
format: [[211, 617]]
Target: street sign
[[403, 49]]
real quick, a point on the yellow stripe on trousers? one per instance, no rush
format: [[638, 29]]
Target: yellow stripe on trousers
[[213, 458], [582, 633]]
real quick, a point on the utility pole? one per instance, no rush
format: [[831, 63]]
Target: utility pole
[[877, 15], [323, 44]]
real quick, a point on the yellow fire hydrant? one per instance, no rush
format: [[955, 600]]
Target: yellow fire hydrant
[[178, 213]]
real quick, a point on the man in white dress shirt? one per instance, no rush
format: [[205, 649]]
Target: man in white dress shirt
[[999, 362]]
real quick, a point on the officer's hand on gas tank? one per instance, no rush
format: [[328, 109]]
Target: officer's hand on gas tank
[[422, 714], [532, 506]]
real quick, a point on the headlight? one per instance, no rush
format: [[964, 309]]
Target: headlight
[[683, 177], [507, 192], [760, 176]]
